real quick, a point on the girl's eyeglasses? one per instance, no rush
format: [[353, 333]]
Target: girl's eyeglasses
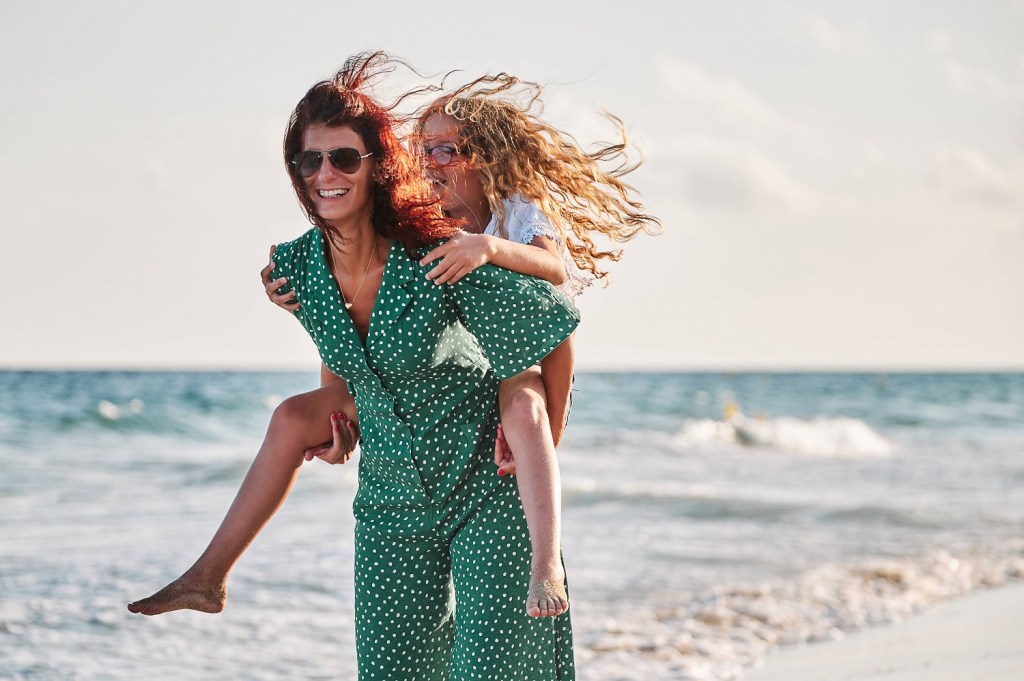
[[442, 154]]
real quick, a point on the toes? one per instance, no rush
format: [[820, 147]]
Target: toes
[[138, 607], [144, 607], [546, 597]]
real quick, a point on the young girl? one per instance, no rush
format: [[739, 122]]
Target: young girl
[[530, 201]]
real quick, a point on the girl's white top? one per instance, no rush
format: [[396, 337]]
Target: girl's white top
[[524, 221]]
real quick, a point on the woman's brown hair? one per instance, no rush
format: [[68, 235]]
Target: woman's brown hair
[[403, 208]]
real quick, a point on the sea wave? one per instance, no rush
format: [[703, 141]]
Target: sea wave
[[700, 501], [200, 419], [822, 436]]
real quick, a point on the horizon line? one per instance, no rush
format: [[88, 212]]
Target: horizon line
[[586, 369]]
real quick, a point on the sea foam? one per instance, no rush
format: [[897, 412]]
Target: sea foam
[[726, 628], [835, 436]]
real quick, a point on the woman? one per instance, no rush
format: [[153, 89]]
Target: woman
[[423, 363], [528, 199]]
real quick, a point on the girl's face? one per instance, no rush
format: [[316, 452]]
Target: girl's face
[[339, 196], [455, 181]]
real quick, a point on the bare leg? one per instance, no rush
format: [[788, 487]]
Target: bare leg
[[298, 423], [525, 424]]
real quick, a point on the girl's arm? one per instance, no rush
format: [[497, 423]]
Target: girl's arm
[[465, 252], [556, 372]]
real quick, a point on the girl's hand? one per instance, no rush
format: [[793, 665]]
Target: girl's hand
[[339, 450], [503, 455], [285, 301], [459, 256]]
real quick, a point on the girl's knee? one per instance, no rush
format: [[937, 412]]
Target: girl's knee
[[288, 414], [526, 407], [293, 422]]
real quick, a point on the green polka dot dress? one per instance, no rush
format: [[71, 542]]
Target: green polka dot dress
[[442, 550]]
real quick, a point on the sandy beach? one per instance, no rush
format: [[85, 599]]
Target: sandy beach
[[979, 637]]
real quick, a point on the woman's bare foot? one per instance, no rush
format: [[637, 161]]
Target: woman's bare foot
[[547, 596], [188, 592]]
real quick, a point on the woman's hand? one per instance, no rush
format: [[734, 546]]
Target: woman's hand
[[459, 256], [503, 454], [338, 450], [285, 301]]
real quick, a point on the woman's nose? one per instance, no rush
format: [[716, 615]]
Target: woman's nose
[[326, 171]]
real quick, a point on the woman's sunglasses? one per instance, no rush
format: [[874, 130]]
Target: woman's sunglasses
[[345, 159], [442, 154]]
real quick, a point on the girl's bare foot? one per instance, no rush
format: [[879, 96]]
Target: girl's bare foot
[[547, 596], [187, 592]]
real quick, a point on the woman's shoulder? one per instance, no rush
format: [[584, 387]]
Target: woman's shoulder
[[292, 257], [298, 248], [301, 243]]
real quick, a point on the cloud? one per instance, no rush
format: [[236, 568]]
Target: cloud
[[726, 174], [827, 35], [968, 174], [720, 103], [732, 150], [583, 120], [969, 80], [939, 40]]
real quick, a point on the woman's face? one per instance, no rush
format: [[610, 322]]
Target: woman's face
[[338, 197], [456, 184]]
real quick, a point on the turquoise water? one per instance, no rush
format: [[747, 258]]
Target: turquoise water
[[708, 518]]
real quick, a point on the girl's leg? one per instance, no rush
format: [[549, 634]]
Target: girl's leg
[[300, 422], [525, 424]]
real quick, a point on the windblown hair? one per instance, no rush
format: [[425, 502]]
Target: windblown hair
[[516, 152], [403, 208]]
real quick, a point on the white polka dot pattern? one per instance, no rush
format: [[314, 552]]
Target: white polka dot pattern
[[431, 511]]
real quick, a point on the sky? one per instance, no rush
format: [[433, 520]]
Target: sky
[[841, 183]]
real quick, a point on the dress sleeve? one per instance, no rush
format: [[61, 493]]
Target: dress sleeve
[[291, 260], [516, 319]]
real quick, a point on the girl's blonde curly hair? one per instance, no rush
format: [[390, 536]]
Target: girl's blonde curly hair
[[515, 152]]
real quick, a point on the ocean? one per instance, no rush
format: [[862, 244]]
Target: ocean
[[709, 518]]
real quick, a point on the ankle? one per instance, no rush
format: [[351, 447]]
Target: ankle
[[546, 567], [207, 580]]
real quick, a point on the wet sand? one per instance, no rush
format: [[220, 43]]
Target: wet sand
[[980, 636]]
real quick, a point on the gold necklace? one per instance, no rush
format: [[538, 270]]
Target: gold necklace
[[348, 305]]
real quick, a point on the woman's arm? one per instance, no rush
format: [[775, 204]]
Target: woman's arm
[[556, 372], [327, 376], [464, 252]]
